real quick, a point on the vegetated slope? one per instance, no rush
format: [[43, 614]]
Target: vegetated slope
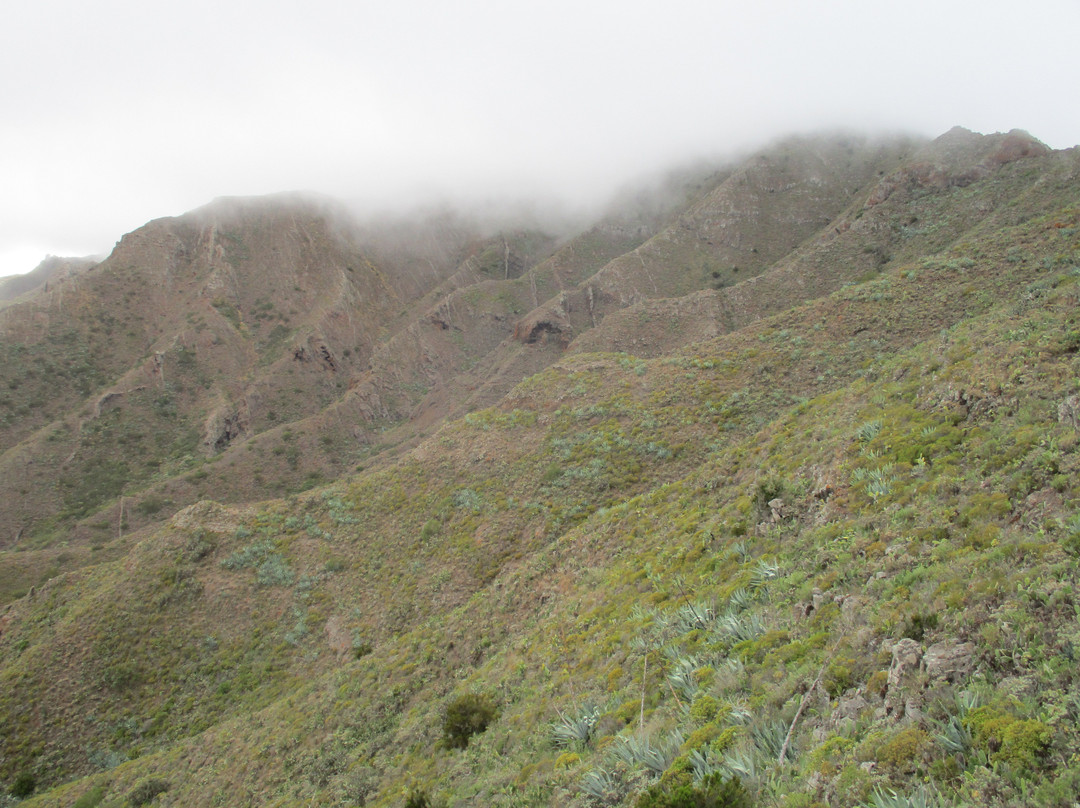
[[182, 340], [198, 332], [309, 371], [923, 205], [845, 536], [778, 198], [273, 344], [775, 201]]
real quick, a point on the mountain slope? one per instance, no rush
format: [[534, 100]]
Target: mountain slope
[[851, 522], [280, 342]]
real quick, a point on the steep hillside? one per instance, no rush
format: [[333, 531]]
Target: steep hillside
[[772, 204], [277, 343], [943, 191], [194, 332], [831, 551]]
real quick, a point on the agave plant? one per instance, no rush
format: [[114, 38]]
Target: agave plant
[[769, 739], [739, 600], [742, 764], [739, 712], [570, 731], [656, 757], [739, 550], [663, 754], [868, 431], [879, 488], [704, 764], [694, 616], [683, 678], [922, 797], [601, 785], [764, 572], [740, 627], [953, 736]]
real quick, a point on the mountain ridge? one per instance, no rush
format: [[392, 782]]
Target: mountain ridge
[[878, 423]]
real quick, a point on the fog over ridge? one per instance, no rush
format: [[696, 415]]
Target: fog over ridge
[[118, 114]]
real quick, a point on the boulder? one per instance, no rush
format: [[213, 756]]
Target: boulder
[[901, 700], [950, 661]]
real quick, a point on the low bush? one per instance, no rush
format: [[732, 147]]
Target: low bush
[[713, 792], [466, 716], [91, 798], [24, 785], [145, 791]]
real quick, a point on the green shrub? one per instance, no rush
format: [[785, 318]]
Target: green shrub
[[1059, 792], [713, 792], [705, 709], [1023, 744], [839, 676], [151, 505], [361, 648], [903, 752], [145, 791], [466, 716], [767, 490], [91, 799], [1020, 743], [24, 785], [918, 624], [417, 798]]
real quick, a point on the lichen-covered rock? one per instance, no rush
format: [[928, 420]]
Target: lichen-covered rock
[[1069, 411], [951, 661], [901, 699], [850, 707]]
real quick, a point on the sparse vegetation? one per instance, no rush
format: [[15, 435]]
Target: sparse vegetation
[[828, 558]]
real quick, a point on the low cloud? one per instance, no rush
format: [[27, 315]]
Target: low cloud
[[115, 115]]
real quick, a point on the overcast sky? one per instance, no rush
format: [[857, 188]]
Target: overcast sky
[[113, 112]]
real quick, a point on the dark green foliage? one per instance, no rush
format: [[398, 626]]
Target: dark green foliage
[[361, 649], [466, 716], [145, 791], [767, 490], [93, 483], [150, 505], [1070, 343], [417, 798], [198, 547], [91, 799], [918, 624], [713, 792], [24, 785]]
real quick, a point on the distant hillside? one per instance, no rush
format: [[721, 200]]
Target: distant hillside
[[591, 519], [270, 345], [51, 269]]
